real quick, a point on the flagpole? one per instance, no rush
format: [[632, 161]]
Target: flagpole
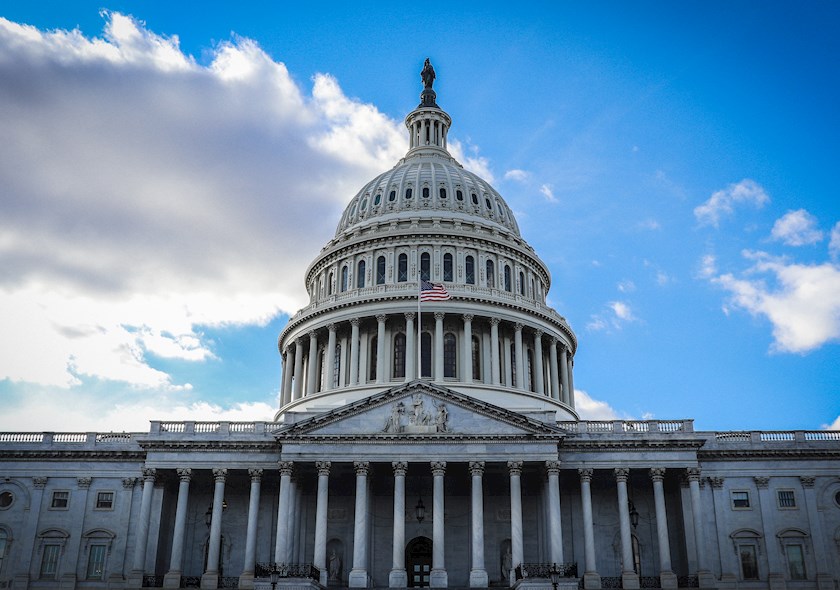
[[419, 370]]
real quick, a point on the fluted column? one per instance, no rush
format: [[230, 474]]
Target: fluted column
[[571, 396], [329, 363], [693, 476], [297, 386], [143, 524], [176, 559], [438, 352], [520, 363], [438, 578], [281, 546], [629, 577], [398, 578], [466, 361], [210, 579], [246, 579], [354, 351], [666, 575], [539, 380], [380, 348], [410, 348], [591, 579], [517, 550], [319, 559], [288, 363], [359, 575], [312, 373], [564, 374], [552, 369], [478, 572], [552, 469], [495, 370]]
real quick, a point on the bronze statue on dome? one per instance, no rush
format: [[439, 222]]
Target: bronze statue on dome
[[427, 74]]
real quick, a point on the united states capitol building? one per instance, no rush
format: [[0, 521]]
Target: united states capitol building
[[431, 444]]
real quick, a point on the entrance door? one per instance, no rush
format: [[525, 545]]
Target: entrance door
[[418, 562]]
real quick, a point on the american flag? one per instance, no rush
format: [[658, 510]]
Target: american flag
[[432, 292]]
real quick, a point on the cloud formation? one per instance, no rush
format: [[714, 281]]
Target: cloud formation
[[722, 203], [796, 228], [615, 315]]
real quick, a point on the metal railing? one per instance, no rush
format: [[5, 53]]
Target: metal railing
[[288, 570], [546, 570]]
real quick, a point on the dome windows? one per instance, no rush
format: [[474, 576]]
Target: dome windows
[[447, 267], [425, 192], [345, 273], [364, 204], [402, 268], [488, 204], [408, 193], [380, 270], [360, 275], [459, 195], [508, 286], [442, 193], [377, 199], [392, 196], [490, 271], [469, 270], [425, 266], [474, 198]]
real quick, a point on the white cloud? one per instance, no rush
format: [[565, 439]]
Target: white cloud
[[708, 266], [616, 314], [621, 310], [626, 286], [722, 202], [593, 409], [802, 303], [546, 191], [834, 425], [649, 224], [796, 228], [517, 175], [834, 241], [474, 163], [145, 196]]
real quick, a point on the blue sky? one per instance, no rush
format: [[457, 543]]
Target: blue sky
[[169, 169]]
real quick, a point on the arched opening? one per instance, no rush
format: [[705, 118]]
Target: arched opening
[[450, 348], [360, 275], [418, 562], [399, 356], [372, 352], [476, 359], [402, 268], [425, 266], [447, 267], [380, 270], [469, 270], [426, 355], [345, 273], [491, 274], [507, 279]]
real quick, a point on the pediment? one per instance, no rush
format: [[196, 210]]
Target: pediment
[[419, 409]]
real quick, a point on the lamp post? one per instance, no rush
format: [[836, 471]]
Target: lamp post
[[274, 577], [555, 573], [420, 510]]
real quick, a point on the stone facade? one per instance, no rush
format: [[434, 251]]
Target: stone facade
[[432, 444]]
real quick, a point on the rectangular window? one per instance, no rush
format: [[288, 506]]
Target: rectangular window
[[104, 500], [49, 560], [787, 499], [749, 563], [796, 562], [96, 562], [60, 500], [740, 500]]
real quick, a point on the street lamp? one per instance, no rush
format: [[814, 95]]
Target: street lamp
[[634, 515], [555, 573], [420, 510], [274, 577]]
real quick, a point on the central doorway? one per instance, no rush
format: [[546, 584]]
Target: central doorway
[[418, 562]]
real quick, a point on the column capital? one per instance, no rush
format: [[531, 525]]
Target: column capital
[[468, 317], [256, 474], [149, 474], [286, 467], [410, 315], [220, 474], [39, 482], [323, 467], [84, 482], [361, 467], [495, 321], [381, 318], [515, 467], [552, 467], [716, 482], [553, 340], [657, 473], [476, 467], [355, 322], [439, 315], [184, 473], [313, 334], [128, 482], [693, 474], [585, 474], [621, 473], [538, 333], [518, 327], [761, 481], [438, 467], [332, 327], [807, 480], [400, 468]]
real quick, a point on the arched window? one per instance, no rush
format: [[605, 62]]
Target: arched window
[[533, 292], [530, 384], [392, 196], [488, 204], [330, 283], [372, 359], [476, 359], [459, 195], [442, 193], [345, 272], [491, 274], [377, 199], [380, 270], [399, 356], [447, 267], [408, 193], [449, 355], [360, 275], [426, 355], [512, 364], [425, 192], [521, 283], [402, 268], [336, 368], [425, 266], [507, 279], [474, 198], [469, 270]]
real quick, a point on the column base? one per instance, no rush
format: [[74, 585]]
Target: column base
[[323, 578], [706, 579], [246, 580], [825, 582], [668, 580], [777, 581], [591, 581], [172, 579], [21, 581], [134, 580], [358, 578], [115, 581], [478, 579], [630, 580], [397, 579], [438, 579], [210, 580]]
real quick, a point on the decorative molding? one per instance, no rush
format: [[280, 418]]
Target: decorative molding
[[149, 474], [716, 482], [220, 474], [84, 482], [476, 468], [255, 473], [692, 474], [184, 473], [39, 482], [438, 468], [468, 317], [515, 468], [621, 473], [400, 468], [129, 482], [761, 481], [657, 473], [287, 468], [807, 481], [361, 467], [552, 467], [323, 467], [585, 474], [439, 315]]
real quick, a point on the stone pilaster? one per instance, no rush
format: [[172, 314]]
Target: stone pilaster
[[591, 579], [439, 577], [398, 577], [478, 572], [176, 559], [359, 575], [629, 577]]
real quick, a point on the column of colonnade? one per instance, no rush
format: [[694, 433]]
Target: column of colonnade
[[301, 370], [360, 576]]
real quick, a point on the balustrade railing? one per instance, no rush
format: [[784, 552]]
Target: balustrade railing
[[687, 582], [546, 570], [287, 570], [650, 582], [152, 581]]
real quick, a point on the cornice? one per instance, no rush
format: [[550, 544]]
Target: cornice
[[187, 444], [71, 455], [420, 439], [630, 443], [789, 453]]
